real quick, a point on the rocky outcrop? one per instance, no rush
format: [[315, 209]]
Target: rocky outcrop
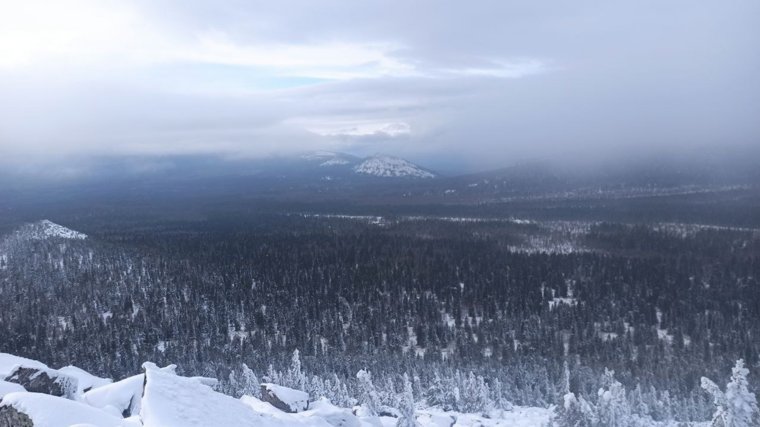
[[46, 381]]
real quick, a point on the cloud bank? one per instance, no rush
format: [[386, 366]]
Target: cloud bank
[[474, 84]]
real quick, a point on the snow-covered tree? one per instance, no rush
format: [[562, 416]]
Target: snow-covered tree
[[407, 405], [249, 382], [434, 395], [565, 378], [368, 397], [484, 402], [241, 383], [232, 386], [476, 396], [612, 405], [316, 388], [417, 385], [637, 402], [742, 404], [575, 412], [273, 375], [388, 395], [737, 407], [295, 377], [497, 396], [719, 401]]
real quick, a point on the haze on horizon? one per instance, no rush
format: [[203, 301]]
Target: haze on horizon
[[466, 84]]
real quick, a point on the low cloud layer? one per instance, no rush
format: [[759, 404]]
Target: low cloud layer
[[473, 84]]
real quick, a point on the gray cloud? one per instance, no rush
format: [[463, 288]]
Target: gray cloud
[[481, 84]]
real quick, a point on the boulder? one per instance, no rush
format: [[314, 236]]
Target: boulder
[[46, 381], [285, 399], [12, 417]]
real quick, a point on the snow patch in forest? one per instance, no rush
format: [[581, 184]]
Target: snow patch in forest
[[567, 301], [665, 336]]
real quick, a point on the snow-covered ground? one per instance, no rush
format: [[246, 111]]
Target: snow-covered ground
[[517, 417], [159, 397]]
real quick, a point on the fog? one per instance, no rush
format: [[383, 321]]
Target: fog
[[457, 85]]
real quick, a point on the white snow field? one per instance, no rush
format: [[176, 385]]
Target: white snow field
[[161, 398]]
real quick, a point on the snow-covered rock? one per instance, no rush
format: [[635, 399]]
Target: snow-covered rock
[[391, 167], [170, 400], [86, 381], [284, 398], [9, 362], [44, 380], [123, 396], [42, 410]]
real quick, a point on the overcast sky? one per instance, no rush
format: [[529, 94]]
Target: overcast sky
[[477, 84]]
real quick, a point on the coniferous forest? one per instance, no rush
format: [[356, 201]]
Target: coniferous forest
[[477, 313]]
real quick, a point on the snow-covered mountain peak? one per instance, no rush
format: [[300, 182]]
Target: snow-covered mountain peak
[[391, 167], [47, 229]]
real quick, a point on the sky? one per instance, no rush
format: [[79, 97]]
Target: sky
[[473, 85]]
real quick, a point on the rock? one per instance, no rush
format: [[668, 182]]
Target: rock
[[46, 381], [387, 411], [284, 398], [12, 417]]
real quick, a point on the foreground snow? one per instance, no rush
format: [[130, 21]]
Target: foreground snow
[[161, 398]]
